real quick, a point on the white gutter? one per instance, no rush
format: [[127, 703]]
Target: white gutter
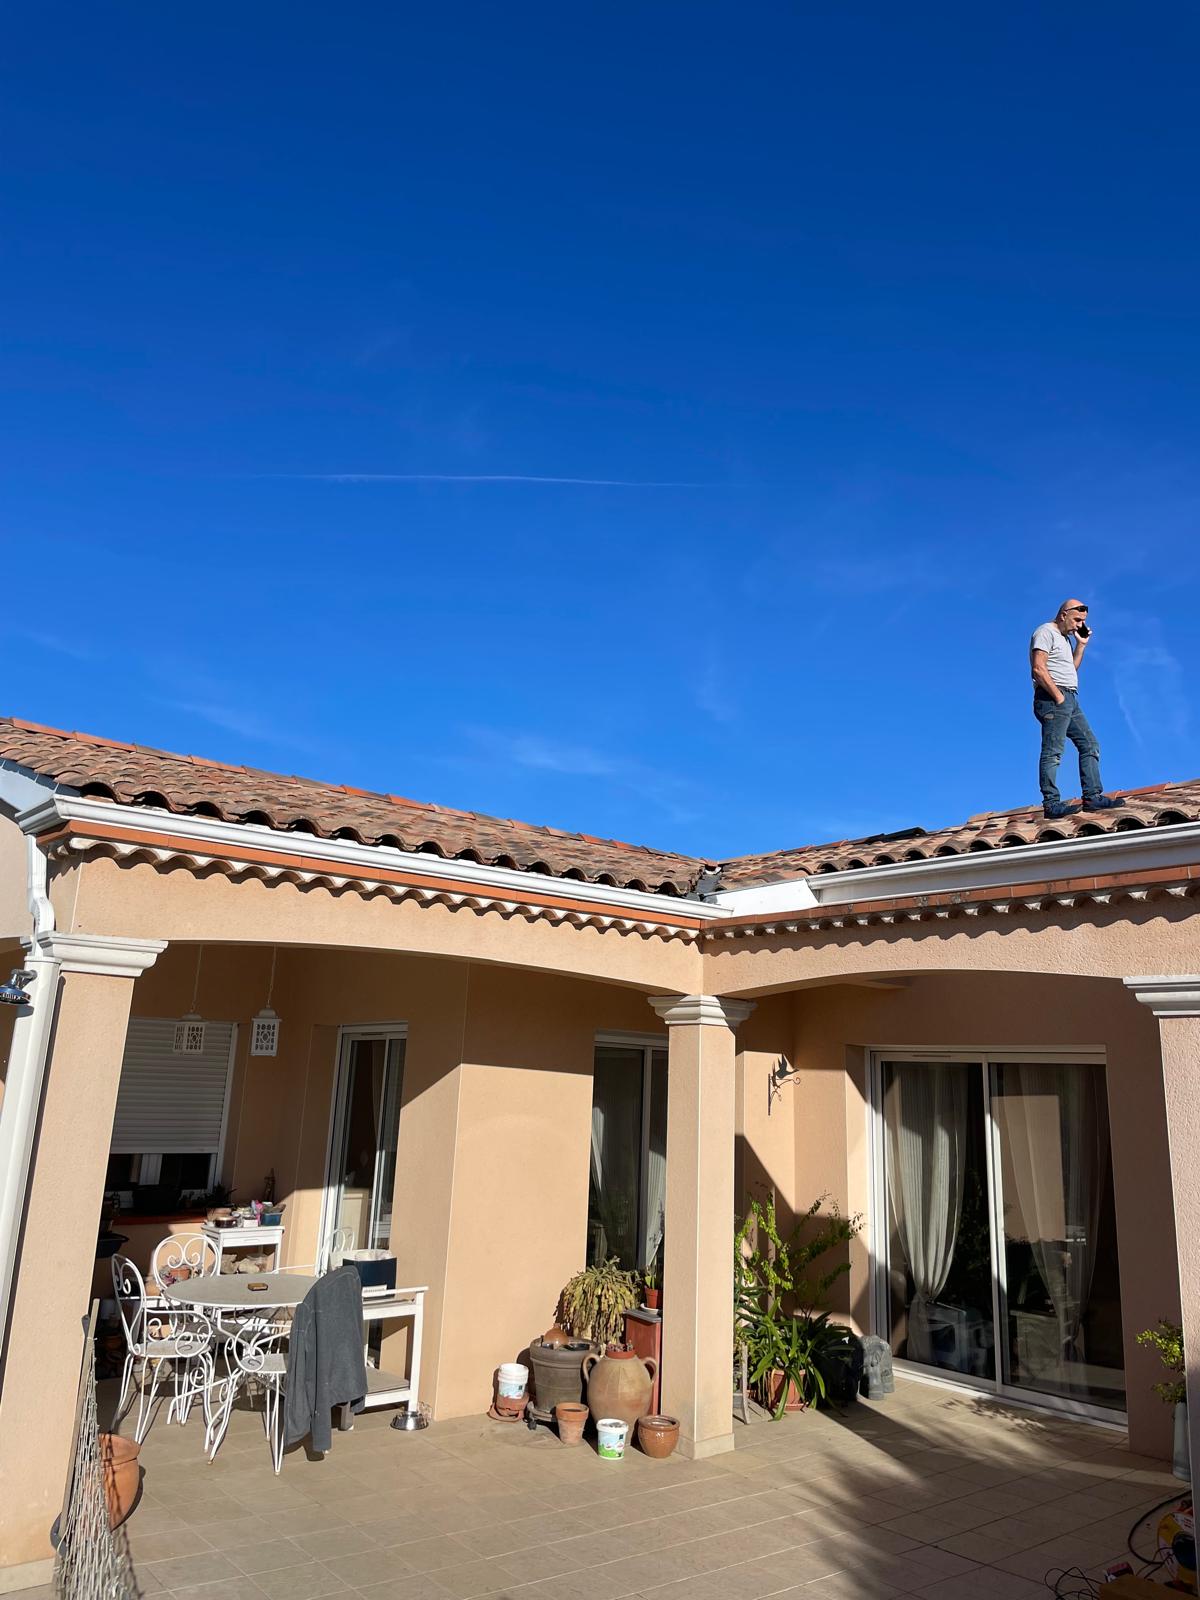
[[210, 834], [1093, 856]]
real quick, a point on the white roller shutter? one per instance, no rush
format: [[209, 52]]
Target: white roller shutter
[[171, 1104]]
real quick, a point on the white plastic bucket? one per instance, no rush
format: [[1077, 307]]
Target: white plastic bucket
[[511, 1380], [612, 1433]]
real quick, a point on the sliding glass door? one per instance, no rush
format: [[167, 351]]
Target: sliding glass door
[[994, 1226], [628, 1186], [364, 1136]]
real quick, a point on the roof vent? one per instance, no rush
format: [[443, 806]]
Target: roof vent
[[885, 838]]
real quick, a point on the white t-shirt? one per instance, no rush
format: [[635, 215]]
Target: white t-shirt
[[1060, 654]]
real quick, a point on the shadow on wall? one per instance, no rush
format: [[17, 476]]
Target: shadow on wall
[[819, 1237]]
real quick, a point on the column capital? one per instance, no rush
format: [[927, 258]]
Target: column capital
[[101, 954], [1168, 996], [676, 1010]]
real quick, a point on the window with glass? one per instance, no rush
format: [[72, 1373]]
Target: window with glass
[[366, 1129], [998, 1257], [628, 1188]]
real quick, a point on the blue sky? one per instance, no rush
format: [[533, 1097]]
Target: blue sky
[[663, 421]]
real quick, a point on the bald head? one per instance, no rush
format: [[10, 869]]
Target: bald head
[[1070, 614]]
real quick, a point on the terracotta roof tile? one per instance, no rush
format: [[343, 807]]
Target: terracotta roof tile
[[1156, 806], [134, 775]]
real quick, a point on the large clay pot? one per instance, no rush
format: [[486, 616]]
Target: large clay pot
[[619, 1384], [557, 1373], [122, 1475], [658, 1436]]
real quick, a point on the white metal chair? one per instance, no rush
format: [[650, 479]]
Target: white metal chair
[[185, 1341], [183, 1255], [253, 1354], [341, 1242]]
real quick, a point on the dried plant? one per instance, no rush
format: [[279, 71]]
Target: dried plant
[[593, 1303]]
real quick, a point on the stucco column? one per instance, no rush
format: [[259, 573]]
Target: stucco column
[[58, 1247], [698, 1249], [1175, 1001]]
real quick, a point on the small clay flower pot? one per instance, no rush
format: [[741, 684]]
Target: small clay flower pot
[[571, 1420], [658, 1436], [511, 1405], [653, 1299]]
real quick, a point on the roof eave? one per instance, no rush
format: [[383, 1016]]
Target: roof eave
[[1127, 850]]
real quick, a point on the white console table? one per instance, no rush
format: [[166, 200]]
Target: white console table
[[391, 1388], [225, 1241]]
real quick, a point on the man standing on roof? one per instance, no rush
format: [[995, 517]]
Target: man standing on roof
[[1055, 655]]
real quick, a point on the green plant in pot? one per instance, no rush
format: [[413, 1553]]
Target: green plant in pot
[[794, 1355], [788, 1362], [651, 1293], [593, 1304], [1167, 1339]]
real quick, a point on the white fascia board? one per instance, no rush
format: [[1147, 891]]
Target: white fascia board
[[211, 835], [1099, 854]]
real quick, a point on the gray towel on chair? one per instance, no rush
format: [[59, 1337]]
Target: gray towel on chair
[[326, 1366]]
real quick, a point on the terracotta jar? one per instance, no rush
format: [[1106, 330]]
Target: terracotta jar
[[122, 1475], [658, 1436], [619, 1384]]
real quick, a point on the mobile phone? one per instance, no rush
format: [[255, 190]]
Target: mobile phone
[[1083, 631]]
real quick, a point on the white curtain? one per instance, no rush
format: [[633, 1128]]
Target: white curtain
[[656, 1202], [601, 1245], [1054, 1124], [925, 1113]]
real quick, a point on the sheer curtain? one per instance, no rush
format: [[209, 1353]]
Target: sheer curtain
[[925, 1113], [656, 1160], [599, 1247], [1054, 1122]]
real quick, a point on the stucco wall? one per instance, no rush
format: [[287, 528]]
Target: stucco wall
[[835, 1026], [1116, 941], [136, 899], [492, 1165], [14, 903]]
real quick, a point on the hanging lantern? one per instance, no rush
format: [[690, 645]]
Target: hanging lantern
[[189, 1035], [264, 1033], [264, 1027], [189, 1030]]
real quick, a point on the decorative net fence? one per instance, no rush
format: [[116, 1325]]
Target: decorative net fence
[[92, 1561]]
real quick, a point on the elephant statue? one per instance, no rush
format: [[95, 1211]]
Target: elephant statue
[[877, 1367]]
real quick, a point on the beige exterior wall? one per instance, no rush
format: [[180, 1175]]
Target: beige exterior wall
[[501, 1016], [492, 1164], [836, 1026], [1089, 941], [183, 906], [14, 902], [45, 1338]]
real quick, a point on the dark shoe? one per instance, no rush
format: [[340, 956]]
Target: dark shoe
[[1060, 810], [1102, 802]]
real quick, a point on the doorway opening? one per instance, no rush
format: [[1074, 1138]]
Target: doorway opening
[[994, 1226], [364, 1132]]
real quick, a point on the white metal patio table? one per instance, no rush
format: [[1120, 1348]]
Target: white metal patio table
[[228, 1295], [231, 1291]]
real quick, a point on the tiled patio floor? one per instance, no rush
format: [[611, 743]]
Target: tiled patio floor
[[929, 1493]]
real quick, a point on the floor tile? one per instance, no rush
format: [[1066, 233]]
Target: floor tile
[[266, 1555]]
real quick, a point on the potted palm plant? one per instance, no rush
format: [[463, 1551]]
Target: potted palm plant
[[1167, 1339]]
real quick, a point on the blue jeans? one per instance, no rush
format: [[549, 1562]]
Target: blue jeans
[[1060, 723]]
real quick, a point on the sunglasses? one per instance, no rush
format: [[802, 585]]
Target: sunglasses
[[1081, 609]]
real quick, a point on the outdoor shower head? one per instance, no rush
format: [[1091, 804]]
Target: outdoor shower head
[[13, 993]]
